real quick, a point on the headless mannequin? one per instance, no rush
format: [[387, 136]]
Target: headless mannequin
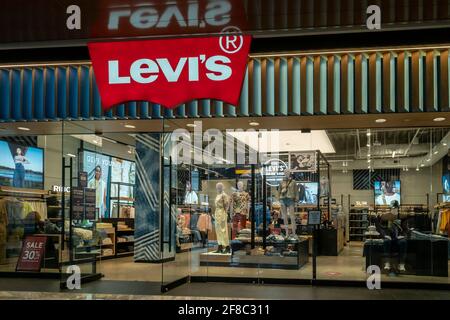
[[222, 203], [288, 194], [240, 209]]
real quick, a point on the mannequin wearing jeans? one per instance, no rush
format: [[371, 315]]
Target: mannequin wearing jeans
[[394, 237], [240, 207], [288, 194], [222, 203]]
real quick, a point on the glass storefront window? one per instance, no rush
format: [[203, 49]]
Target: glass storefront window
[[160, 206]]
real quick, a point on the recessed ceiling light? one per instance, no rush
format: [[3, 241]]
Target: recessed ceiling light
[[368, 134], [417, 169], [428, 160], [422, 165], [129, 126], [380, 120], [23, 128], [436, 152], [368, 167], [191, 125], [369, 160], [444, 143], [71, 155], [368, 145], [439, 119], [254, 124]]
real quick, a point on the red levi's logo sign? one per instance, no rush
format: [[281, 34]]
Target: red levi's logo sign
[[170, 72]]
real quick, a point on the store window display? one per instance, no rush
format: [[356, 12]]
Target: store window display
[[240, 206], [222, 203]]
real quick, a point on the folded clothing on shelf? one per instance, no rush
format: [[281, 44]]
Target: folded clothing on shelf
[[107, 252], [103, 225], [107, 241]]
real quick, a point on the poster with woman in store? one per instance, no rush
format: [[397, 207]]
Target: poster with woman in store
[[98, 168], [21, 166], [302, 161]]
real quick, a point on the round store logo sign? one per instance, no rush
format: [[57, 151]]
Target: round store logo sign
[[274, 171]]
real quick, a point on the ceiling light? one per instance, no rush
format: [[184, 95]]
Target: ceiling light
[[254, 124], [369, 160], [275, 141], [422, 165], [368, 154], [417, 169], [436, 152], [439, 119], [129, 126], [368, 145], [23, 128], [71, 155], [95, 141], [368, 167], [368, 134], [393, 154], [444, 143], [166, 126], [428, 160], [380, 120], [191, 125]]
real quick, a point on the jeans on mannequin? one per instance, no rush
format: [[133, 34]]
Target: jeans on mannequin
[[288, 210]]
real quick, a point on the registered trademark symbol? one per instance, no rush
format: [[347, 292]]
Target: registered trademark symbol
[[231, 43]]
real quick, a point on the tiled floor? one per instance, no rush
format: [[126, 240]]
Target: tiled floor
[[349, 265], [227, 291]]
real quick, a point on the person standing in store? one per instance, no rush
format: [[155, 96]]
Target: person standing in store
[[100, 191], [19, 171]]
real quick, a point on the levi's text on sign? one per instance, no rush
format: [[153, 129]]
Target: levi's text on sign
[[172, 71]]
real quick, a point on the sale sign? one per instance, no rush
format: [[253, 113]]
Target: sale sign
[[171, 72], [33, 251]]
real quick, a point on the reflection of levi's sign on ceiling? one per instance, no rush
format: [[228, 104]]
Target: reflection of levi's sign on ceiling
[[143, 15], [172, 71]]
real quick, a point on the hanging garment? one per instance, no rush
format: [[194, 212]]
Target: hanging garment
[[204, 223], [221, 219], [39, 207], [444, 221]]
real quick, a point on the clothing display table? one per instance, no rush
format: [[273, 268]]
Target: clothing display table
[[295, 258]]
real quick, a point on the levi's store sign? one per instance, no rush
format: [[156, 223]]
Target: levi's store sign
[[170, 72]]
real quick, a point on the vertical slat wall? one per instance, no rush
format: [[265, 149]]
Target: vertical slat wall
[[332, 83]]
